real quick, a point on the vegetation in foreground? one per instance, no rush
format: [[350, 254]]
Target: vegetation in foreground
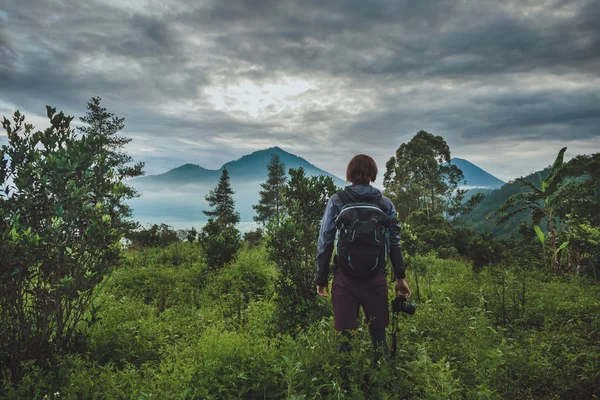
[[168, 328]]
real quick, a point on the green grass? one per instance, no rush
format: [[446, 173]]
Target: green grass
[[168, 328]]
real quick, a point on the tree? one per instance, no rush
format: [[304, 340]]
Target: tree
[[270, 205], [484, 250], [420, 177], [293, 245], [220, 243], [221, 198], [580, 210], [101, 130], [62, 215], [191, 235], [219, 237], [541, 201]]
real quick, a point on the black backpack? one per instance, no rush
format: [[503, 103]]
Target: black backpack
[[362, 236]]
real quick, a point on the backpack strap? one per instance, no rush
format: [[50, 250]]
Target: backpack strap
[[345, 197]]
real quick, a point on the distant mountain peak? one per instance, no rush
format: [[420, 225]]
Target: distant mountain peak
[[476, 176], [188, 166]]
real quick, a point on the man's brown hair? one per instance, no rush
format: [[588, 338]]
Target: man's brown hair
[[361, 170]]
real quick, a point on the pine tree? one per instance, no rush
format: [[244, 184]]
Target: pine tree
[[221, 198], [270, 205], [219, 237]]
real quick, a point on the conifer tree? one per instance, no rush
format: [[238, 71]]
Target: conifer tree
[[219, 237], [221, 198], [270, 205]]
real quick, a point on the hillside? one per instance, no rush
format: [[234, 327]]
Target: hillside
[[494, 200]]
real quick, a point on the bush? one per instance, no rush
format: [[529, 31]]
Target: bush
[[62, 213], [456, 346]]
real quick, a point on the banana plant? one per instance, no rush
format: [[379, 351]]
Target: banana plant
[[542, 237], [542, 201]]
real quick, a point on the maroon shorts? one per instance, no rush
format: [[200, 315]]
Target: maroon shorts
[[348, 294]]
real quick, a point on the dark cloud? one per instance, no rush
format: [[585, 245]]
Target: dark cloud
[[207, 82]]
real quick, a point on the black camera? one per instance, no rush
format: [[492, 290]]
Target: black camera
[[400, 304]]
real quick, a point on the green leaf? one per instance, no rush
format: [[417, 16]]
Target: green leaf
[[540, 234], [562, 246]]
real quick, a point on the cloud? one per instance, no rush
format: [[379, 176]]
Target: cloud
[[206, 82]]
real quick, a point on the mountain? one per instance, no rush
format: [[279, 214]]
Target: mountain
[[176, 197], [249, 168], [475, 176]]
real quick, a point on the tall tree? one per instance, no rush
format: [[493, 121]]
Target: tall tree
[[62, 214], [270, 206], [219, 237], [419, 176], [293, 244], [542, 201], [221, 198]]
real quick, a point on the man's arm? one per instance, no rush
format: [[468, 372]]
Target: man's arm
[[325, 244]]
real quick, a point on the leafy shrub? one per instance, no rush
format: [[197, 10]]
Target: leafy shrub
[[62, 214]]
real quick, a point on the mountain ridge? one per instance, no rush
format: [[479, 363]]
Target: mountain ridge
[[177, 196], [252, 167]]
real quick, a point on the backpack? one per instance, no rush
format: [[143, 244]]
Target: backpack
[[362, 229]]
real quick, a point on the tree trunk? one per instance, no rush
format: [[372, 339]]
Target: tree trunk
[[552, 237]]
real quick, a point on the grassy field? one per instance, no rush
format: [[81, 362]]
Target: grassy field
[[167, 327]]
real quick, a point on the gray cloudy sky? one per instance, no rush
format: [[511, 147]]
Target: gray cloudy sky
[[506, 83]]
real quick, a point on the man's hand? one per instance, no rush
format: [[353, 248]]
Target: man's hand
[[322, 291], [402, 288]]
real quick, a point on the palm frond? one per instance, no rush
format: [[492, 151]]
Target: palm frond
[[526, 183], [560, 191], [557, 166], [511, 214], [513, 201]]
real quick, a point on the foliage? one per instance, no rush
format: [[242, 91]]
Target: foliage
[[477, 218], [219, 237], [254, 238], [483, 251], [221, 198], [62, 214], [271, 204], [293, 244], [580, 209], [191, 235], [432, 232], [220, 243], [542, 202], [157, 235], [420, 177], [464, 342]]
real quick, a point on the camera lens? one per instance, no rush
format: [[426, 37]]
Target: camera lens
[[408, 308]]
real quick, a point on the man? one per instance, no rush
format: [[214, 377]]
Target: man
[[354, 283]]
